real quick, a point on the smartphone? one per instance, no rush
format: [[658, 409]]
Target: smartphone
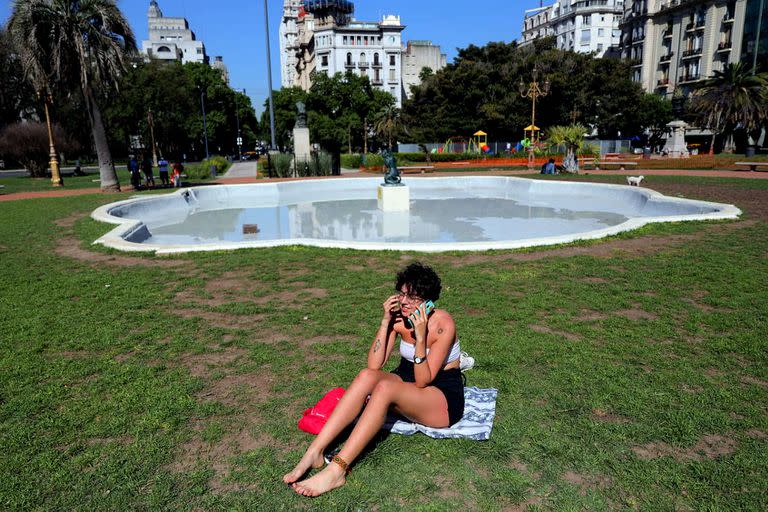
[[429, 307]]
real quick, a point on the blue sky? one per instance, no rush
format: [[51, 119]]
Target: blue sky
[[235, 28]]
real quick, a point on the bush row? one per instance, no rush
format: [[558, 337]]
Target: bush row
[[202, 171]]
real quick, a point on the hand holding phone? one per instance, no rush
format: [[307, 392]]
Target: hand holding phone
[[429, 306]]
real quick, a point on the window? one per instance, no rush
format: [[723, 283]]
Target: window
[[585, 35], [324, 60], [345, 39], [392, 61], [363, 59], [586, 19], [392, 76], [599, 47], [376, 59], [349, 59], [601, 32]]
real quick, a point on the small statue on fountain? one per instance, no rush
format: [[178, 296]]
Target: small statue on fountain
[[392, 175]]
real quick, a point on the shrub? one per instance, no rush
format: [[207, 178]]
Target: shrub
[[353, 161], [202, 171], [27, 143]]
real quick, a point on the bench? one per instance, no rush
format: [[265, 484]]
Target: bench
[[415, 169], [753, 165], [603, 163]]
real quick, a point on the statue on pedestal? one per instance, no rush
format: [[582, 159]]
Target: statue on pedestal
[[301, 115], [392, 175]]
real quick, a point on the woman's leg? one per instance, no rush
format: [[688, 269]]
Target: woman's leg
[[343, 414], [427, 406]]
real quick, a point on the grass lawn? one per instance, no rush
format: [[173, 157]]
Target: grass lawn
[[632, 372]]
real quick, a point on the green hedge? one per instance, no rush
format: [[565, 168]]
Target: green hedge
[[202, 171]]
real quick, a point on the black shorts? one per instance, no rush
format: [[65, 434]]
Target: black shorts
[[450, 382]]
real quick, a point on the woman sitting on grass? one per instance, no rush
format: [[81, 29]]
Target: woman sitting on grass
[[426, 387]]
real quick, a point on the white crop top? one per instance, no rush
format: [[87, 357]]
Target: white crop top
[[408, 351]]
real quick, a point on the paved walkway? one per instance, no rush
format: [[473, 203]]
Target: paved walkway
[[238, 170], [246, 173]]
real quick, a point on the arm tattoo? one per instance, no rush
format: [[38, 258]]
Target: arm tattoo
[[377, 346]]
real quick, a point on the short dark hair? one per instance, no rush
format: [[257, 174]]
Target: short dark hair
[[421, 280]]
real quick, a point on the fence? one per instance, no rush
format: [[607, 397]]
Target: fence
[[497, 148]]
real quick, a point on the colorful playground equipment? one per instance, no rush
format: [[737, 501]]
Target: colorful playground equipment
[[477, 144]]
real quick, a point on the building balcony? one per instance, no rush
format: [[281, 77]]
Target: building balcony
[[687, 54], [349, 65], [377, 81], [724, 46], [689, 78], [667, 57], [728, 18], [664, 82], [362, 65], [376, 65], [667, 34]]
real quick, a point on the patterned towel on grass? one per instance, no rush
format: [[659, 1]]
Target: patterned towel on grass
[[477, 422]]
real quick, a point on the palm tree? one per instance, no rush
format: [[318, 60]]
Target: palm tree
[[732, 98], [572, 137], [74, 44], [389, 123]]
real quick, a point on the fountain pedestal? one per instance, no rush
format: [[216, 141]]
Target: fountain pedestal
[[675, 146], [394, 198], [301, 145]]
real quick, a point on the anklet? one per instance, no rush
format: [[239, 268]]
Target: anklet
[[341, 462]]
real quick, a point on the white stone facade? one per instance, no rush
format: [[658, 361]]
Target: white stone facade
[[289, 42], [677, 42], [366, 48], [171, 38], [417, 56], [584, 26]]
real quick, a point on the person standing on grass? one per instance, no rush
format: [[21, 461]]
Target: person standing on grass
[[427, 387], [146, 168], [162, 169], [133, 168], [178, 169]]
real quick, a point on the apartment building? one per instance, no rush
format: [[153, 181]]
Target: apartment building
[[170, 38], [584, 26], [676, 43], [417, 56]]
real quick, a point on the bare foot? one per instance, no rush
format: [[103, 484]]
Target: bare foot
[[330, 478], [310, 460]]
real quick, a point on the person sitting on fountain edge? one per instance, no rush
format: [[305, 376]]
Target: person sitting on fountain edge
[[427, 386]]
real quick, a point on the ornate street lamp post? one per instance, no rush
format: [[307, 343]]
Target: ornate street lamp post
[[151, 123], [54, 162], [533, 90]]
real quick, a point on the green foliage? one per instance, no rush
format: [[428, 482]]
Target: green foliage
[[16, 94], [480, 90], [202, 171], [170, 90], [342, 108], [28, 144], [285, 114], [75, 46], [732, 98], [319, 164]]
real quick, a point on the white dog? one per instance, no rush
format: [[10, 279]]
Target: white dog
[[635, 180]]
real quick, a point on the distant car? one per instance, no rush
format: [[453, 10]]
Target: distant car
[[251, 155]]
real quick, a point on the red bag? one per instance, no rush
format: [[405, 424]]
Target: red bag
[[315, 417]]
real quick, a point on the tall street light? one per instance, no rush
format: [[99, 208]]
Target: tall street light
[[205, 126], [54, 161], [533, 90], [237, 120], [269, 79]]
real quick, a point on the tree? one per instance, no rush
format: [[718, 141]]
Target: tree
[[340, 107], [285, 114], [74, 45], [27, 143], [388, 123], [16, 96], [572, 137], [732, 98]]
